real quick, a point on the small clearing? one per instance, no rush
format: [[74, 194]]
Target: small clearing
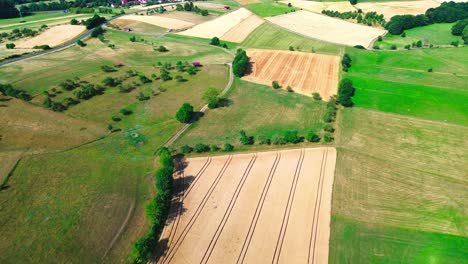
[[306, 73], [253, 208], [327, 28], [226, 27], [53, 36], [165, 22]]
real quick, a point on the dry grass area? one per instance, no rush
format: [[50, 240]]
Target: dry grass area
[[165, 22], [138, 27], [306, 73], [210, 5], [327, 28], [53, 36], [248, 2], [240, 32], [389, 9], [253, 208], [317, 7], [226, 27], [187, 16]]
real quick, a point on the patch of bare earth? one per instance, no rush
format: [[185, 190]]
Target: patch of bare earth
[[253, 208], [306, 73]]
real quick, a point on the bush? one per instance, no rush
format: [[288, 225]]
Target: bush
[[107, 68], [345, 92], [162, 49], [262, 140], [81, 43], [185, 113], [213, 148], [289, 89], [241, 63], [132, 39], [116, 118], [429, 70], [292, 137], [291, 48], [328, 128], [275, 85], [94, 22], [228, 147], [211, 97], [457, 29], [97, 32], [311, 136], [74, 22], [42, 47], [215, 41], [244, 139], [408, 47], [277, 140], [379, 38], [316, 96], [125, 111], [403, 35], [200, 147], [327, 137], [185, 149], [346, 62], [454, 43], [10, 45], [111, 82], [143, 79]]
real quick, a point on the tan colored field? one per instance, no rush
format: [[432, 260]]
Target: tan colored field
[[240, 32], [252, 208], [210, 5], [187, 16], [326, 28], [139, 27], [165, 22], [67, 18], [306, 73], [247, 2], [317, 7], [389, 9], [53, 36], [221, 26]]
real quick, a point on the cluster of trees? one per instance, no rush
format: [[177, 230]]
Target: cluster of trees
[[200, 148], [445, 13], [189, 7], [8, 9], [8, 90], [288, 137], [216, 42], [80, 5], [241, 64], [211, 97], [157, 210], [185, 113], [93, 22], [346, 62], [345, 92], [370, 18], [461, 29], [17, 33]]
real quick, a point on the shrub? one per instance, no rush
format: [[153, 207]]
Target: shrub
[[97, 32], [291, 48], [200, 147], [185, 113], [458, 28], [211, 97], [116, 118], [162, 49], [125, 111], [263, 140], [228, 147], [275, 85], [42, 47], [328, 128], [346, 62], [291, 137], [10, 45], [94, 22], [408, 47], [244, 139], [419, 44], [213, 148], [316, 96], [107, 68], [403, 35], [345, 92], [429, 70], [185, 149], [74, 22], [289, 89], [142, 97], [111, 82], [81, 43], [379, 38], [143, 79], [215, 41], [311, 136], [277, 140], [376, 47], [393, 47], [327, 137], [454, 43], [133, 39], [241, 63]]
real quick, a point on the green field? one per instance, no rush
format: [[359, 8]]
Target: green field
[[267, 8], [399, 82], [268, 36], [259, 110], [435, 34], [399, 190], [70, 205]]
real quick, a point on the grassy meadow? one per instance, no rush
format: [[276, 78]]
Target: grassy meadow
[[56, 199], [401, 82], [267, 8], [259, 110]]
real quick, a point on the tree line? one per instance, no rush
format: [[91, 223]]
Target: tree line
[[445, 13]]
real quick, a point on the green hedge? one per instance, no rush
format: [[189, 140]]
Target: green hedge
[[157, 210]]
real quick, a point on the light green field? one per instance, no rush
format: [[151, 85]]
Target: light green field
[[399, 82], [268, 36], [399, 190], [267, 8], [33, 17], [435, 34], [70, 205], [259, 110]]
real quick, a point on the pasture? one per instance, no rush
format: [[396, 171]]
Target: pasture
[[326, 28], [253, 208], [399, 82], [58, 220], [399, 189], [268, 8], [305, 73], [260, 111]]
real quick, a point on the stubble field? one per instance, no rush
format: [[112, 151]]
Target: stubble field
[[252, 208], [306, 73]]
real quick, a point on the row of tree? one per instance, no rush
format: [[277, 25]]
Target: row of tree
[[64, 5], [157, 210], [9, 90], [445, 13]]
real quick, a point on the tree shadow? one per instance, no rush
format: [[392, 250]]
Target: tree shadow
[[6, 99], [225, 102], [196, 116]]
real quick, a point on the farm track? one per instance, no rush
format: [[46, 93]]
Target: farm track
[[254, 208]]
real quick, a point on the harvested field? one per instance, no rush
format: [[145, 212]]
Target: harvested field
[[187, 16], [165, 22], [327, 28], [225, 27], [248, 2], [252, 208], [317, 7], [389, 9], [138, 27], [306, 73], [210, 5], [53, 36], [240, 32]]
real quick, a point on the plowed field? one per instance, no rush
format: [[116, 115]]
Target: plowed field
[[252, 208], [306, 73]]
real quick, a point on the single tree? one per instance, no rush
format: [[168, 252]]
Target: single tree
[[185, 113]]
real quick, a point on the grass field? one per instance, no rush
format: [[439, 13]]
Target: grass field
[[435, 34], [259, 110], [399, 82], [268, 36], [54, 201], [399, 190], [267, 8]]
